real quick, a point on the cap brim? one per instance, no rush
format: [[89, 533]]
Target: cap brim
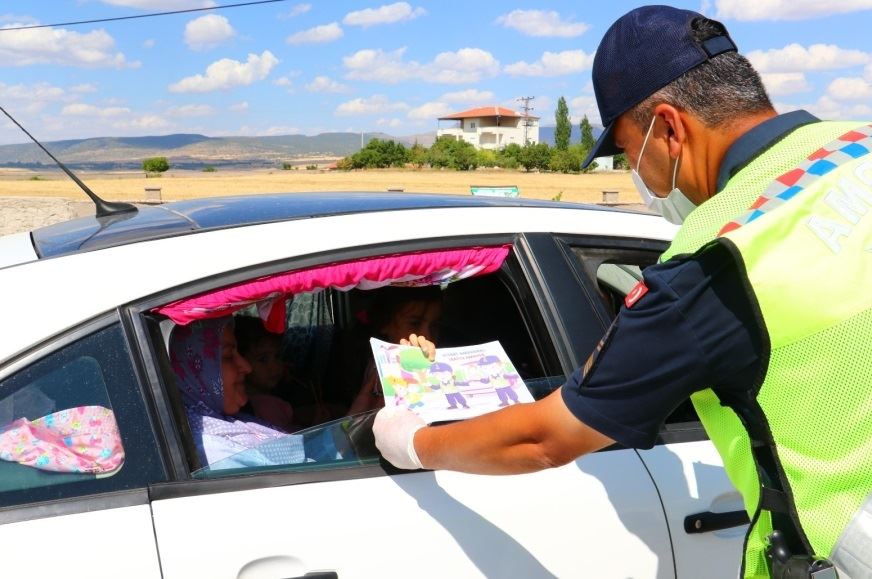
[[604, 147]]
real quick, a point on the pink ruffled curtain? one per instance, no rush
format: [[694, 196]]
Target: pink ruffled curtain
[[269, 292]]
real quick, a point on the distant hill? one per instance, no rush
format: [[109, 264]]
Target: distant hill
[[194, 151], [191, 151]]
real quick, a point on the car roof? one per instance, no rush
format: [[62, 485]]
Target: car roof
[[184, 217]]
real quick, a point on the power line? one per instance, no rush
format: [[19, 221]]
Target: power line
[[168, 13]]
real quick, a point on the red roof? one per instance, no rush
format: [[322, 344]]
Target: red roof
[[483, 112]]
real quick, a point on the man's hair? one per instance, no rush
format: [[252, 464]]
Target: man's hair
[[718, 91]]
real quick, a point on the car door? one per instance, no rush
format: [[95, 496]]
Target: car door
[[57, 519], [706, 517], [356, 516]]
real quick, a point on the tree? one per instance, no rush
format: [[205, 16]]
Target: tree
[[155, 165], [535, 156], [563, 126], [587, 141], [379, 154]]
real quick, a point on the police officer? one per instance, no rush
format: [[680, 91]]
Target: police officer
[[760, 310]]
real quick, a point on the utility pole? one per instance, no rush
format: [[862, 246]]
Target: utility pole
[[526, 108]]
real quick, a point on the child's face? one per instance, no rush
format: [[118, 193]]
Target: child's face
[[414, 318], [267, 367]]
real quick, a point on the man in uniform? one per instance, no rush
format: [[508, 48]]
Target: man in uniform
[[760, 310]]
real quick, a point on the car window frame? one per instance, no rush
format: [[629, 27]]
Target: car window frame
[[88, 500], [182, 483], [672, 431]]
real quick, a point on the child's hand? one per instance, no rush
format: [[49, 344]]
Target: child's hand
[[427, 347]]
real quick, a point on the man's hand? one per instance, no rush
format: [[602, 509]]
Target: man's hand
[[394, 430]]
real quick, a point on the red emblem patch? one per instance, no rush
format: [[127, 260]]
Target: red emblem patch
[[635, 294]]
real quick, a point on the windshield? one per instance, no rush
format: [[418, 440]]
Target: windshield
[[347, 441]]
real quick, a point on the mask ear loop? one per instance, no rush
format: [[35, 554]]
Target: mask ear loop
[[645, 142], [675, 171]]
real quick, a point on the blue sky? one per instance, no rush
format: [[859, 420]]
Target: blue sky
[[292, 67]]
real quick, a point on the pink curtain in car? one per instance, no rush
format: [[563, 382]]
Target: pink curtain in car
[[269, 292]]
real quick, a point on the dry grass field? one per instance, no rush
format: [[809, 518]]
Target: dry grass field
[[177, 185]]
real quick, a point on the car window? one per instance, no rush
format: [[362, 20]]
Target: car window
[[615, 271], [73, 423], [324, 350]]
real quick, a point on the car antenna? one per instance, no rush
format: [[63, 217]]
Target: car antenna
[[104, 208]]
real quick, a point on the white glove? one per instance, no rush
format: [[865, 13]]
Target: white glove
[[394, 430]]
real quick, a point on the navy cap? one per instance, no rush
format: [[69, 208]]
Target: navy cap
[[643, 51]]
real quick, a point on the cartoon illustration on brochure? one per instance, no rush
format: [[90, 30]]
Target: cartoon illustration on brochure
[[460, 383]]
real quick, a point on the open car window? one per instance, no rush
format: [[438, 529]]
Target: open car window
[[324, 341]]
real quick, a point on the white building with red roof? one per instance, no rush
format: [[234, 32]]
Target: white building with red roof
[[491, 127]]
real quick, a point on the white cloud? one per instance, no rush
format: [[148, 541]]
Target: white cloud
[[317, 35], [584, 105], [784, 83], [143, 122], [283, 81], [786, 9], [85, 110], [430, 111], [325, 84], [95, 49], [469, 96], [161, 4], [850, 89], [278, 130], [467, 65], [380, 66], [191, 111], [149, 43], [369, 106], [239, 107], [828, 108], [542, 23], [797, 58], [389, 122], [387, 14], [83, 88], [226, 73], [297, 10], [40, 92], [208, 32], [553, 64]]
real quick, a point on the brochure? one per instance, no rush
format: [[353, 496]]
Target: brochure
[[460, 383]]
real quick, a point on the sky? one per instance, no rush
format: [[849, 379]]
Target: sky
[[394, 67]]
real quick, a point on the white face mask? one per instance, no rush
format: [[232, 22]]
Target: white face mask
[[675, 207]]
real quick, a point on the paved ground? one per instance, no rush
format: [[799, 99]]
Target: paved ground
[[25, 213]]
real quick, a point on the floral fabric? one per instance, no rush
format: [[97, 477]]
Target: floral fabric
[[84, 439]]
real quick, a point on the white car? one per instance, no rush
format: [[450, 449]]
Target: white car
[[83, 325]]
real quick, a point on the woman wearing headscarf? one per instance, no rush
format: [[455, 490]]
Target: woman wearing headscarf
[[210, 374]]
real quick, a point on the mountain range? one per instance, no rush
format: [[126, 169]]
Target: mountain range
[[192, 151]]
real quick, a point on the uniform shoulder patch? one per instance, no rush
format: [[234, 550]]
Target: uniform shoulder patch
[[635, 294]]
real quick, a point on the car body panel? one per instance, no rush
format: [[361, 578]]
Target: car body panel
[[15, 249], [596, 517], [102, 544]]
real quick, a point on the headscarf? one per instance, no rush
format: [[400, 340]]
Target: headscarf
[[195, 355]]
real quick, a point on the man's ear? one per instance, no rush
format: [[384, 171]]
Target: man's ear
[[675, 127]]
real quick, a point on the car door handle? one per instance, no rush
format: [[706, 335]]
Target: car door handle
[[317, 575], [708, 521]]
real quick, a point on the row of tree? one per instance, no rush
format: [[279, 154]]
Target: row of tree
[[450, 153]]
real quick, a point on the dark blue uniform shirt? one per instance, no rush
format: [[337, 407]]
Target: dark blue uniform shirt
[[695, 328]]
